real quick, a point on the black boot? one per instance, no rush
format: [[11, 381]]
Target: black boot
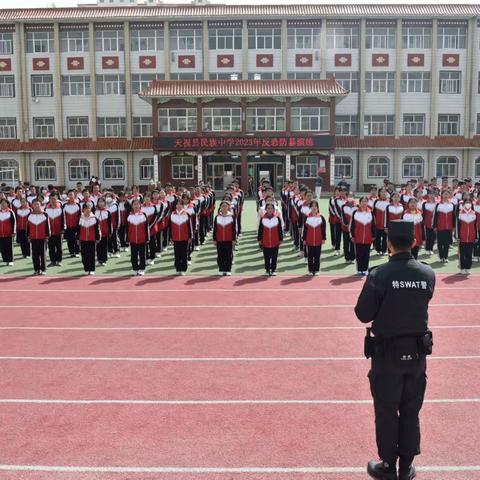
[[382, 470], [407, 474]]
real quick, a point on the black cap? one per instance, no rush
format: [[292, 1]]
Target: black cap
[[400, 229]]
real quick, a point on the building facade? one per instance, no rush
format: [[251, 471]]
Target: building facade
[[394, 91]]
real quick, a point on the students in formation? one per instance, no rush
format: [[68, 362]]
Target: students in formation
[[101, 224]]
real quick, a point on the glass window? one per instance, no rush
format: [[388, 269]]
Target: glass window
[[303, 75], [448, 124], [178, 119], [265, 119], [146, 169], [142, 80], [343, 167], [308, 119], [380, 82], [414, 124], [74, 41], [8, 127], [343, 37], [182, 168], [40, 42], [186, 76], [7, 86], [109, 41], [478, 123], [380, 37], [224, 76], [265, 75], [75, 85], [111, 127], [415, 82], [303, 38], [264, 38], [346, 125], [42, 86], [44, 127], [450, 82], [111, 84], [225, 39], [79, 169], [378, 167], [307, 166], [185, 39], [447, 167], [8, 170], [142, 126], [379, 124], [412, 167], [417, 37], [222, 119], [77, 127], [348, 80], [45, 170], [6, 43], [113, 169], [452, 37], [477, 168], [146, 40]]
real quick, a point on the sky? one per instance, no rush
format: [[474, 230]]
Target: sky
[[73, 3]]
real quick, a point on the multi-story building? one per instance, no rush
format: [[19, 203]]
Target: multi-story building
[[365, 92]]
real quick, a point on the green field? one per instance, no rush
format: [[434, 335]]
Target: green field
[[248, 259]]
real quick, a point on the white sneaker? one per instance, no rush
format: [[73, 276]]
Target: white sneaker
[[467, 272], [141, 272], [158, 255], [150, 262], [316, 274], [220, 274], [336, 253], [116, 255], [305, 260], [42, 272], [189, 262], [274, 274], [77, 255], [228, 274], [197, 249], [9, 264], [310, 274], [446, 260], [300, 253], [182, 274], [135, 272]]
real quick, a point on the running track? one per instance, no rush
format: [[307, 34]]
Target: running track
[[204, 378]]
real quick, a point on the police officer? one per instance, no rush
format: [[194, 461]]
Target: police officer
[[395, 297]]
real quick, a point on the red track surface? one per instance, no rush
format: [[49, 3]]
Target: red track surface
[[228, 435]]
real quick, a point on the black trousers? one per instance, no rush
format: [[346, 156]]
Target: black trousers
[[87, 249], [38, 255], [362, 255], [180, 250], [152, 247], [122, 235], [444, 240], [159, 242], [55, 248], [224, 256], [398, 392], [137, 255], [476, 249], [338, 236], [466, 254], [270, 255], [430, 237], [313, 256], [203, 228], [381, 241], [296, 235], [71, 238], [102, 250], [332, 234], [415, 252], [6, 248], [22, 240], [239, 223], [112, 242], [348, 247]]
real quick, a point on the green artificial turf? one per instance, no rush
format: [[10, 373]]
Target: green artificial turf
[[248, 259]]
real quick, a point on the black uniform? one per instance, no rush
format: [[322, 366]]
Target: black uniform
[[395, 297]]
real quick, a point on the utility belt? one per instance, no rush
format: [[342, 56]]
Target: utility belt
[[403, 348]]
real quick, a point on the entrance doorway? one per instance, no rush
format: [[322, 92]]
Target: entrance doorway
[[266, 169], [221, 173]]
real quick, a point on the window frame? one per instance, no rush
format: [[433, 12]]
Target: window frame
[[448, 124], [412, 40], [264, 38], [41, 85], [143, 167], [375, 40], [7, 80], [109, 41], [303, 38], [8, 125], [84, 164], [221, 121], [110, 84], [441, 171], [307, 163], [153, 37], [413, 164], [351, 121], [348, 80], [306, 121], [35, 42], [188, 119], [374, 161], [451, 83], [231, 41], [142, 128], [49, 167], [413, 123], [185, 40], [8, 164], [6, 43], [68, 40], [119, 167], [415, 82], [115, 123], [379, 82], [456, 39], [343, 37], [71, 86], [345, 163], [373, 123], [186, 176], [77, 125], [279, 115], [48, 128]]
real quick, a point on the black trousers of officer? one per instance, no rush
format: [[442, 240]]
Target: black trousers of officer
[[466, 253], [313, 255], [381, 241], [6, 248], [224, 256], [71, 238], [55, 248], [444, 240], [22, 240], [38, 255], [87, 250], [180, 250], [138, 253], [398, 392], [362, 255], [270, 256]]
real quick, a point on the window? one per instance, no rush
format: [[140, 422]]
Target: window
[[308, 119], [412, 167], [303, 38], [343, 37], [449, 124], [109, 41], [7, 86], [146, 169], [478, 123], [79, 169], [40, 42], [379, 124], [142, 126], [186, 76], [264, 38], [44, 127], [222, 119], [447, 167], [265, 75], [380, 37], [307, 166], [74, 41], [450, 82], [113, 169], [452, 37], [178, 119], [224, 76], [414, 124], [75, 85], [182, 168], [477, 168], [183, 39], [42, 86], [378, 167], [303, 75], [348, 80], [417, 37], [346, 125], [343, 167], [111, 84], [265, 119], [111, 127], [8, 170], [77, 127], [142, 80], [146, 40], [225, 39], [6, 43], [379, 82], [415, 82], [45, 170], [8, 127]]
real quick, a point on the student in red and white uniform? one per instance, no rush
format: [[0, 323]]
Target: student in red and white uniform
[[428, 210], [16, 201], [104, 219], [54, 212], [406, 195], [134, 195], [379, 213], [394, 211], [362, 232], [338, 203], [88, 236], [7, 231], [372, 198], [150, 210], [124, 209], [22, 213], [444, 224], [348, 209], [414, 215], [164, 223], [270, 236], [181, 233], [314, 236], [138, 236], [112, 207], [476, 248], [38, 232], [304, 212], [224, 236], [71, 216], [467, 234]]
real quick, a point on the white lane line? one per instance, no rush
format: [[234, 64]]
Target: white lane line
[[222, 470], [216, 359]]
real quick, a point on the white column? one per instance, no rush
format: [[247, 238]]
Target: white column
[[199, 167], [205, 51], [166, 49], [398, 77], [469, 126], [244, 50], [156, 172], [284, 37], [361, 92], [434, 85], [128, 79], [93, 80], [332, 169], [288, 164], [323, 50], [57, 83]]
